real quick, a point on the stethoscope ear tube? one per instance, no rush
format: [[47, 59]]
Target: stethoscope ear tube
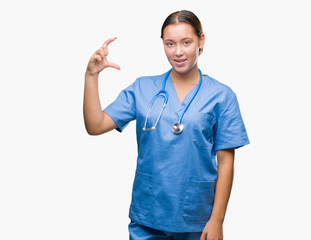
[[154, 126]]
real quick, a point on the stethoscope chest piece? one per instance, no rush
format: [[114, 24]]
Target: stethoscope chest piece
[[178, 128]]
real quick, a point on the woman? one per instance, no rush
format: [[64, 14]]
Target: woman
[[181, 190]]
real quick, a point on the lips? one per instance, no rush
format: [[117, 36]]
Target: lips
[[180, 62]]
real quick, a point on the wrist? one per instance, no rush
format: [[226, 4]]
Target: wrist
[[90, 75], [219, 220]]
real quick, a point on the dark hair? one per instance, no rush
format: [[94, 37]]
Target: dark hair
[[186, 17]]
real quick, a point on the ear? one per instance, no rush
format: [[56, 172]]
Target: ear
[[202, 41]]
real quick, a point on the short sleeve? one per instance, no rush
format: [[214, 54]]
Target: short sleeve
[[230, 128], [123, 109]]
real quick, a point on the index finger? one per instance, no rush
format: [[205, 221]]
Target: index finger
[[107, 42]]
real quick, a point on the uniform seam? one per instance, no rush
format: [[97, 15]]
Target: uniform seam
[[229, 102]]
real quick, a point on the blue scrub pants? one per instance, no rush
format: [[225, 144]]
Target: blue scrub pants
[[140, 232]]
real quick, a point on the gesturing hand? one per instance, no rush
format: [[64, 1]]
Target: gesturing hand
[[99, 60]]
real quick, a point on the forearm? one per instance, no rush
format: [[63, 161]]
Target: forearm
[[224, 184], [93, 116]]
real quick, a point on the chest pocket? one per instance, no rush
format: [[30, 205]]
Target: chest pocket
[[203, 129]]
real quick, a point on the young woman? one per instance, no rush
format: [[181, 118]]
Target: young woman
[[187, 124]]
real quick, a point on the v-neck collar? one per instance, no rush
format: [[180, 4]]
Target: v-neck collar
[[174, 96]]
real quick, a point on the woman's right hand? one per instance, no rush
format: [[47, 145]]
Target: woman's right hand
[[99, 60]]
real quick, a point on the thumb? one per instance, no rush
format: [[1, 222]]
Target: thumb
[[113, 65]]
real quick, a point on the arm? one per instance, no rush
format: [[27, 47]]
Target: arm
[[213, 228], [96, 121]]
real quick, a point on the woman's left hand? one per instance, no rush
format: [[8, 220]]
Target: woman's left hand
[[212, 231]]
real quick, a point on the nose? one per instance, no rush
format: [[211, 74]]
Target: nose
[[179, 51]]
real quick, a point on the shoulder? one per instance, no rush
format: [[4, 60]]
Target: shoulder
[[219, 89], [150, 78], [144, 81], [219, 95], [150, 81]]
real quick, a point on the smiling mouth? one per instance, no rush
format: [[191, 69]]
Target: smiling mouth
[[180, 61]]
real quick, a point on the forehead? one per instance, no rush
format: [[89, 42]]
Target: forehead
[[178, 30]]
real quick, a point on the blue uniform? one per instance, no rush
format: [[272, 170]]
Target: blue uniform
[[176, 175]]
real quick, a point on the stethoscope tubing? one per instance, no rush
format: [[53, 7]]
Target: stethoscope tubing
[[196, 91], [166, 96]]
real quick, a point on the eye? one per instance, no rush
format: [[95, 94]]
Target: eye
[[169, 44], [187, 42]]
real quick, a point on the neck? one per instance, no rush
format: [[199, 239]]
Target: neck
[[191, 76]]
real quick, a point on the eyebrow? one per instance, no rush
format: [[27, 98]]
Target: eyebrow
[[181, 39]]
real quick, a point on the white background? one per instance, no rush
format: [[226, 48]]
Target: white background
[[57, 182]]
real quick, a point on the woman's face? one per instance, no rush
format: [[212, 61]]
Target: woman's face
[[181, 46]]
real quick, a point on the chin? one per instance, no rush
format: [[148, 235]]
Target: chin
[[183, 69]]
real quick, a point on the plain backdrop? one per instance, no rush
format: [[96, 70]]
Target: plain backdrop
[[57, 182]]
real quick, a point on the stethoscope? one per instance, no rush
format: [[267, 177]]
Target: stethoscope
[[177, 127]]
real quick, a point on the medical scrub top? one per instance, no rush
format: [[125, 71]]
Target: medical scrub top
[[175, 179]]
